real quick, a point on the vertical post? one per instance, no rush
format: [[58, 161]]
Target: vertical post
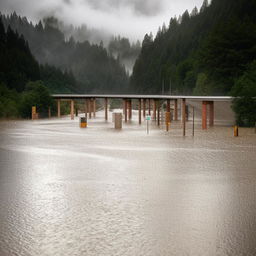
[[158, 112], [58, 107], [139, 111], [144, 108], [168, 106], [184, 116], [124, 102], [106, 109], [49, 112], [85, 109], [90, 108], [125, 110], [94, 108], [149, 107], [175, 110], [193, 125], [211, 117], [130, 109], [154, 109], [204, 115], [72, 109]]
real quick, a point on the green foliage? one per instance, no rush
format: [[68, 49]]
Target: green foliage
[[9, 102], [36, 94], [245, 91], [203, 85]]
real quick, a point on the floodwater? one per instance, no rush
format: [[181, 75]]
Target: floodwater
[[96, 191]]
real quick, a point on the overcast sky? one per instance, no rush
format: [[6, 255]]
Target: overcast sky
[[131, 18]]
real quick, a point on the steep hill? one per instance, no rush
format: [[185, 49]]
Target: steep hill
[[200, 53]]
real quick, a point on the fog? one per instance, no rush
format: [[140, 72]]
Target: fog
[[130, 18]]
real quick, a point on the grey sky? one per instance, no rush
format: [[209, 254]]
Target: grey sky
[[131, 18]]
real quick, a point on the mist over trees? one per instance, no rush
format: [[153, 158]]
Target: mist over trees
[[93, 67]]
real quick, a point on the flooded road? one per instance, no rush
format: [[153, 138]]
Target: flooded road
[[97, 191]]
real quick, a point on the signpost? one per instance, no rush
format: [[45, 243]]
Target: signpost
[[148, 118]]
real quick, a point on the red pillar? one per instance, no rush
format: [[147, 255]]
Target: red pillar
[[204, 115], [211, 117], [184, 116], [154, 109], [158, 112], [106, 109], [72, 109], [130, 109], [139, 111], [58, 106], [168, 106], [125, 110], [144, 108], [149, 107], [175, 110]]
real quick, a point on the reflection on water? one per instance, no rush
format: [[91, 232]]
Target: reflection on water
[[96, 191]]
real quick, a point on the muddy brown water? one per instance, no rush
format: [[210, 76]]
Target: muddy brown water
[[97, 191]]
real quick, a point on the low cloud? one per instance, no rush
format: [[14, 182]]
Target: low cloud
[[131, 18]]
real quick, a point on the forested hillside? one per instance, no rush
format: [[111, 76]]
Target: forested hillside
[[91, 64], [23, 82], [200, 53]]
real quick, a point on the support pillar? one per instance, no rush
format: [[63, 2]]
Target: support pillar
[[158, 112], [106, 109], [90, 108], [130, 109], [125, 110], [204, 115], [58, 107], [175, 110], [168, 106], [124, 102], [149, 107], [211, 117], [49, 112], [85, 109], [144, 108], [94, 108], [139, 111], [72, 109], [154, 109], [184, 116]]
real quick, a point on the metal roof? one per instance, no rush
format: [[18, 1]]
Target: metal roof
[[134, 96]]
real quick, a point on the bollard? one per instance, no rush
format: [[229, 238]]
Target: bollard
[[236, 131], [83, 122], [118, 120], [167, 120]]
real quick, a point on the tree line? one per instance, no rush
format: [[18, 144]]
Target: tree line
[[205, 52]]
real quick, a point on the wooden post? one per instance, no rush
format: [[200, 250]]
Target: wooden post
[[144, 108], [193, 125], [72, 109], [211, 116], [94, 108], [90, 108], [184, 116], [58, 107], [204, 115], [168, 106], [49, 112], [125, 110], [85, 109], [149, 107], [158, 112], [139, 111], [130, 109], [106, 109], [124, 102], [175, 110], [154, 110]]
